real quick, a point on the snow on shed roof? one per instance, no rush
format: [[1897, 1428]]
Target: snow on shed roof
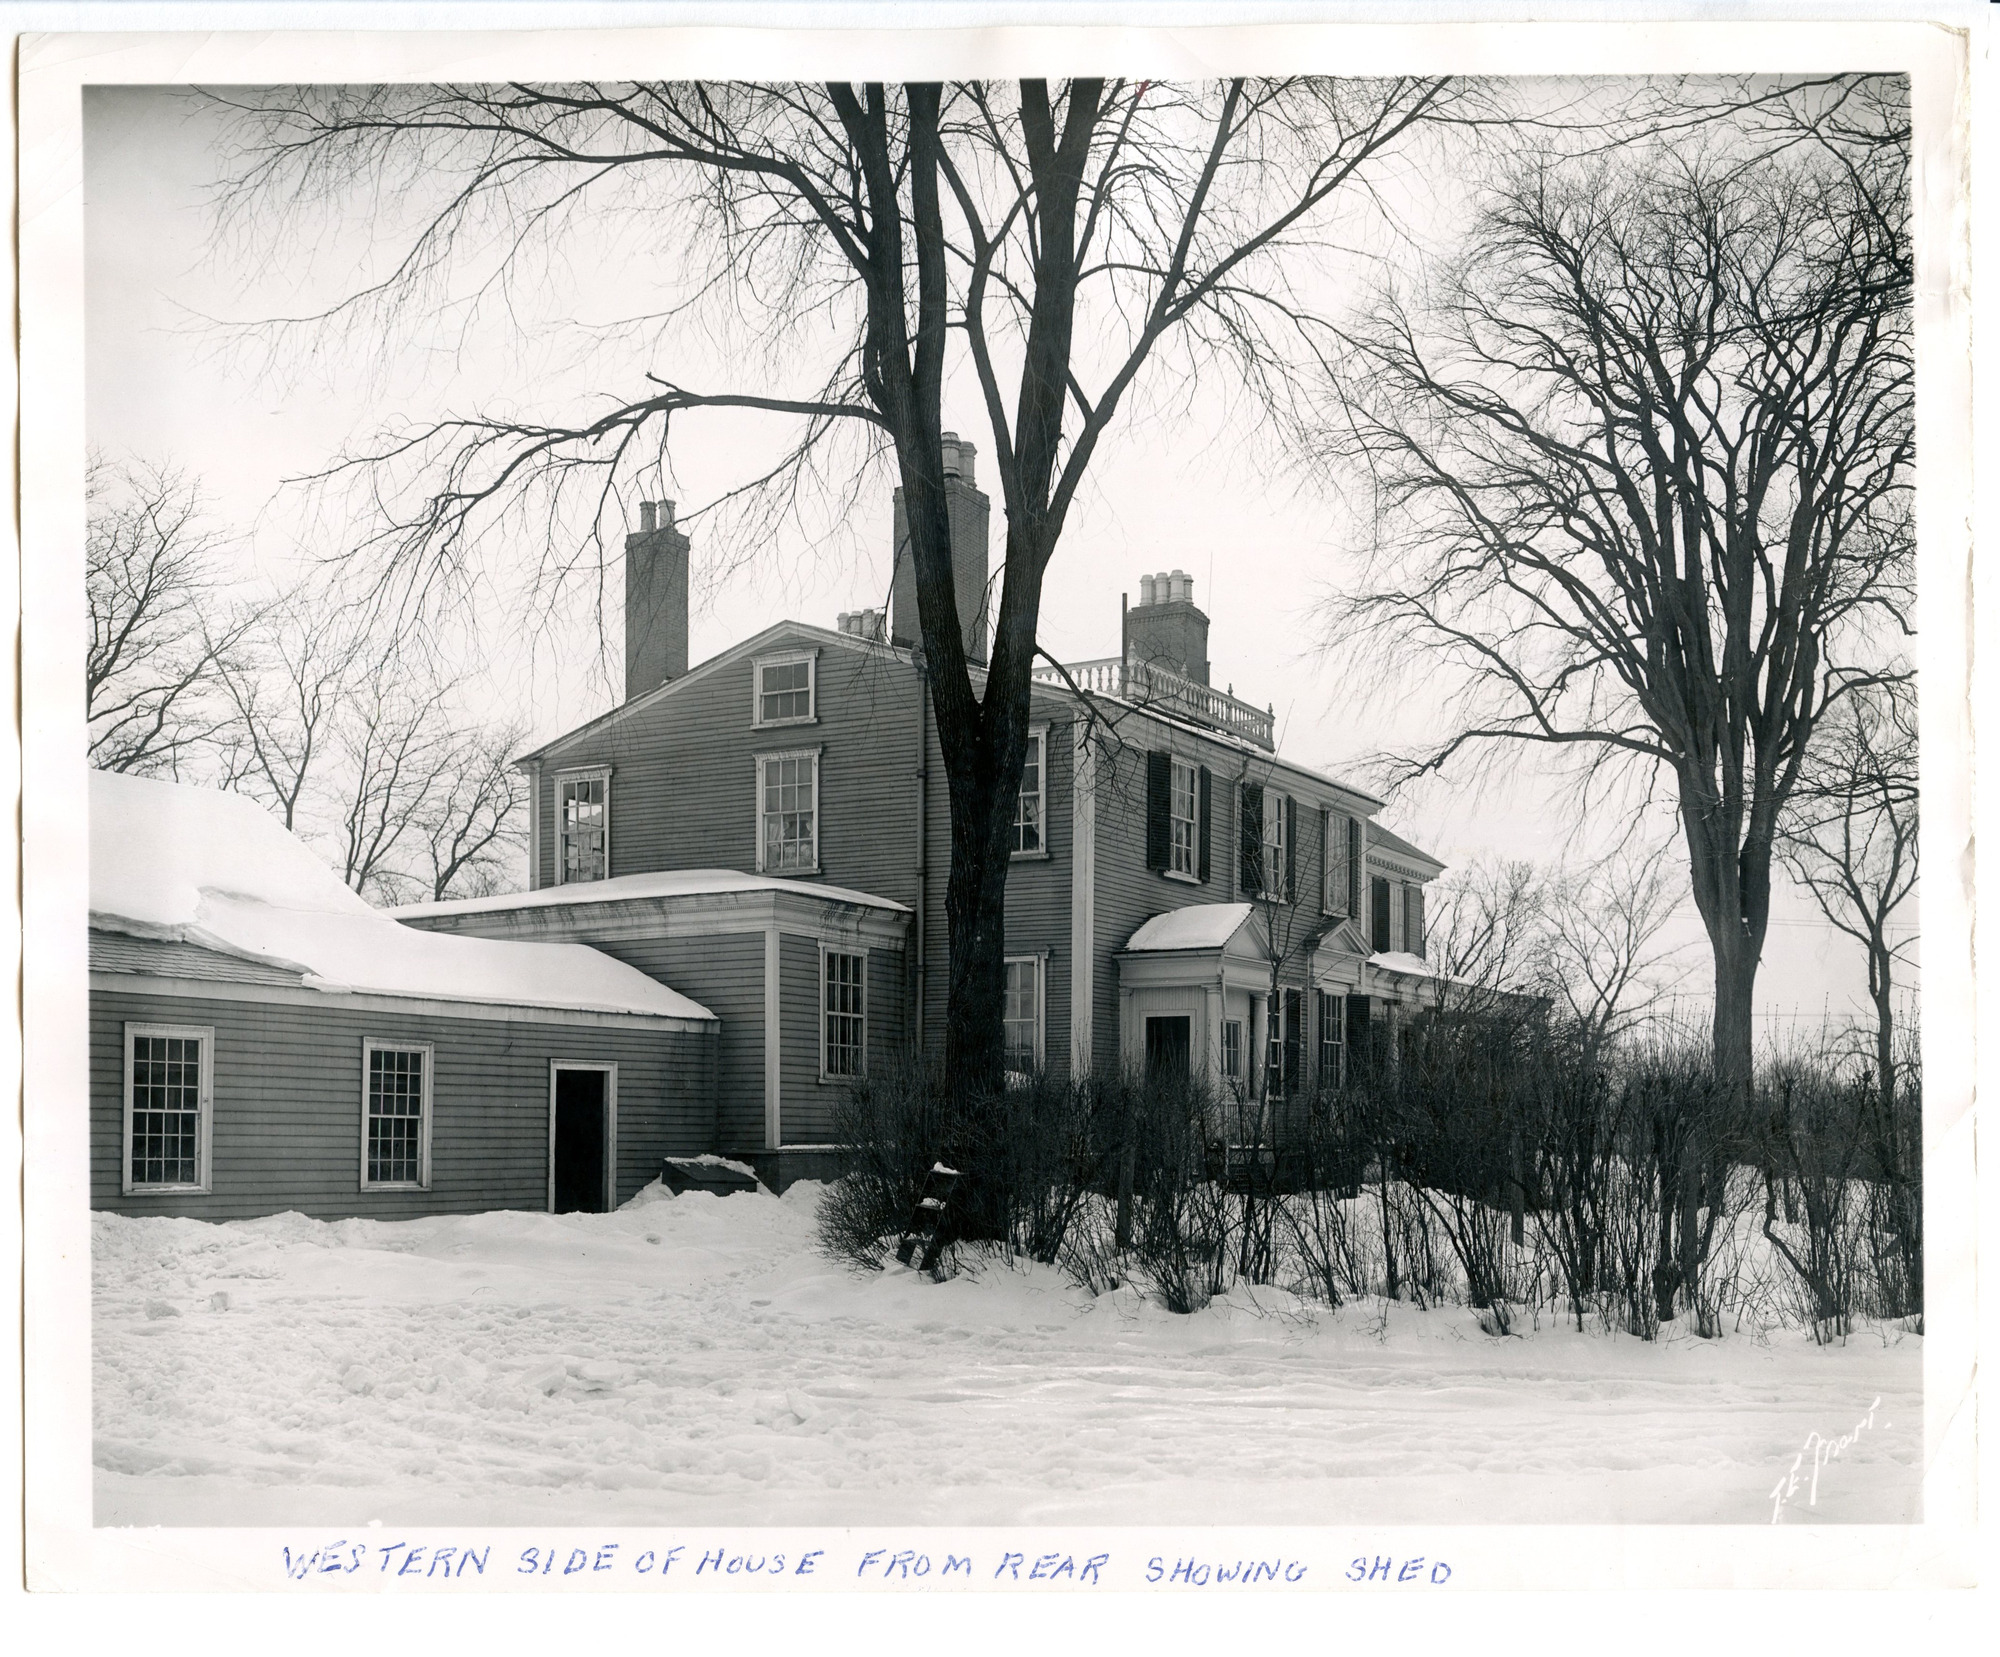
[[1401, 960], [204, 867], [664, 883], [1197, 926]]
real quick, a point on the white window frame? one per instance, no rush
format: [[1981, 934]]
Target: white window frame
[[1396, 902], [1232, 1063], [1175, 767], [1274, 1043], [1335, 1003], [860, 953], [1332, 860], [1040, 962], [761, 760], [580, 773], [610, 1072], [1274, 846], [1039, 736], [382, 1044], [787, 658], [204, 1036]]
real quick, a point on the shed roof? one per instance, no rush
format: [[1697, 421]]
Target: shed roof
[[662, 883], [1196, 926], [199, 866]]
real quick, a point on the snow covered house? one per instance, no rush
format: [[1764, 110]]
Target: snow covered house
[[261, 1039], [787, 794]]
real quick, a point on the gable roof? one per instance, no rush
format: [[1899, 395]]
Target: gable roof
[[199, 866], [1387, 840], [787, 630], [752, 646]]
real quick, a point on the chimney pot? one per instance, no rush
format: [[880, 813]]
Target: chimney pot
[[646, 522], [1145, 589]]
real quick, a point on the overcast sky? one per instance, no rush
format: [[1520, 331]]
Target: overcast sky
[[1186, 490]]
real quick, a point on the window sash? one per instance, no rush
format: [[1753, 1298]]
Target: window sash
[[398, 1110], [1030, 805], [1184, 818], [167, 1101], [1022, 1014], [1232, 1048], [1274, 845], [785, 691], [1274, 1044], [1332, 1039], [583, 816], [843, 1014], [788, 813], [1334, 854]]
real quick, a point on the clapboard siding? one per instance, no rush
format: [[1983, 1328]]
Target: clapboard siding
[[683, 777], [286, 1087], [726, 975], [805, 1108], [807, 1104]]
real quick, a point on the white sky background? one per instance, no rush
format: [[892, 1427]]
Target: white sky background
[[1185, 490]]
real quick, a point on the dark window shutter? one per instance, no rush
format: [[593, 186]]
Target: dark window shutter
[[1413, 928], [1294, 1040], [1354, 867], [1291, 849], [1326, 861], [1251, 872], [1378, 904], [1159, 809], [1202, 805]]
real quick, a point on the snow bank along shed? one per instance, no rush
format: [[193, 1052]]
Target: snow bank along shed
[[262, 1039]]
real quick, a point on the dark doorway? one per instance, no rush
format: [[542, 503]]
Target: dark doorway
[[579, 1136], [1168, 1043]]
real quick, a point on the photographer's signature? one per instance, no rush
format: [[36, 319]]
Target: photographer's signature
[[1822, 1450]]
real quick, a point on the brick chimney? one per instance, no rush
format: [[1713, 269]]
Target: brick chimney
[[656, 600], [968, 511], [1165, 628]]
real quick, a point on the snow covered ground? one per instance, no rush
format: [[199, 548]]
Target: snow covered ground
[[695, 1360]]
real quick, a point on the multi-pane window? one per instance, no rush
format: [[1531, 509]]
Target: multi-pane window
[[844, 1013], [1184, 817], [167, 1090], [1232, 1049], [1398, 913], [1274, 1045], [1275, 815], [1023, 1014], [1332, 1040], [788, 813], [1336, 861], [583, 813], [1030, 806], [785, 691], [394, 1115]]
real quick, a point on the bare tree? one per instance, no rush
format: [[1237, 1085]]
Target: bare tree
[[285, 695], [392, 755], [1849, 837], [1645, 454], [162, 631], [1602, 962], [1064, 237], [469, 822], [1488, 937]]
